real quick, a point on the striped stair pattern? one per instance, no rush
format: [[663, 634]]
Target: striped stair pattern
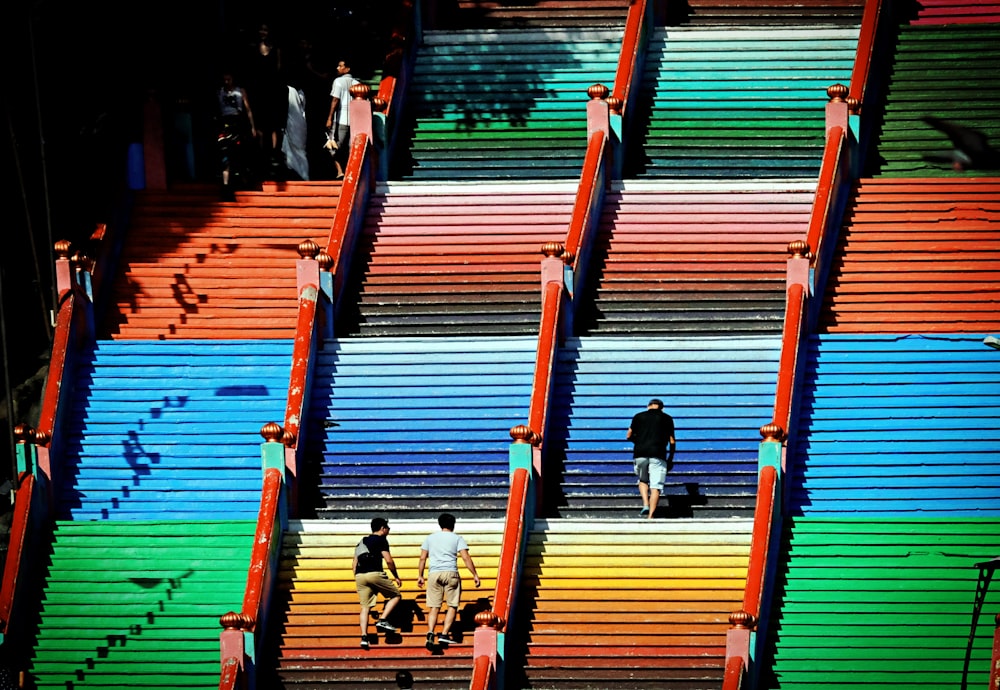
[[917, 255], [695, 260], [931, 12], [314, 618], [635, 605], [504, 104], [159, 430], [883, 604], [453, 260], [504, 14], [898, 425], [137, 604], [736, 103], [411, 427], [719, 392], [746, 13], [195, 267], [948, 72]]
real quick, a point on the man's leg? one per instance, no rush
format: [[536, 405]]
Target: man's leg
[[390, 604], [644, 493], [365, 612], [432, 618], [654, 499], [449, 618]]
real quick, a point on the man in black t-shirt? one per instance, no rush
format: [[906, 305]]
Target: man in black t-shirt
[[652, 434], [371, 580]]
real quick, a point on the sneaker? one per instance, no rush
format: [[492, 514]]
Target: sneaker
[[644, 512], [386, 626], [445, 639], [364, 642], [430, 640]]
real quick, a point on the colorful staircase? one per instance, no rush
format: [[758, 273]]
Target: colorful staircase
[[453, 260], [504, 104], [735, 102], [195, 267], [409, 427], [945, 71], [917, 255], [718, 390], [694, 259], [643, 605], [315, 614], [136, 603], [764, 12], [895, 500], [508, 14]]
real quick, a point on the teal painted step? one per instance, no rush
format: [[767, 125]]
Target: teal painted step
[[157, 429], [504, 104], [736, 102], [137, 604], [885, 603], [949, 72]]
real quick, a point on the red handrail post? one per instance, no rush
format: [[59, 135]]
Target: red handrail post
[[995, 665]]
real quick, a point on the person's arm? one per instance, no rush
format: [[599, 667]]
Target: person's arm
[[420, 567], [470, 565], [628, 434], [391, 565], [333, 108], [246, 104], [354, 565]]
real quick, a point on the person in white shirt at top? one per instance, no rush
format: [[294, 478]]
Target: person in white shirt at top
[[338, 121], [444, 584]]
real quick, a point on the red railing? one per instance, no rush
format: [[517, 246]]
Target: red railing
[[630, 58], [586, 207], [515, 525], [791, 337], [548, 341], [396, 71], [760, 540], [483, 674], [19, 537], [832, 169], [867, 43], [350, 210]]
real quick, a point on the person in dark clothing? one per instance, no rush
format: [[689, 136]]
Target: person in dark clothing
[[652, 435], [371, 580]]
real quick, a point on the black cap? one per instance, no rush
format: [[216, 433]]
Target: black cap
[[656, 401]]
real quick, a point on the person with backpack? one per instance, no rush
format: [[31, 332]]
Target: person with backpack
[[371, 579]]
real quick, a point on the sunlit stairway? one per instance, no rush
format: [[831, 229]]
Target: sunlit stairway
[[523, 14], [917, 255], [195, 267], [736, 102], [453, 259], [694, 259], [628, 605], [413, 426], [504, 104], [314, 619]]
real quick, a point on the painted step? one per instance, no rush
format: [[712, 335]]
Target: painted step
[[153, 616], [695, 259], [412, 426], [638, 604], [453, 259], [315, 612], [719, 392], [850, 589], [917, 255], [195, 267], [746, 13], [158, 429], [505, 104], [503, 14], [736, 103], [897, 425]]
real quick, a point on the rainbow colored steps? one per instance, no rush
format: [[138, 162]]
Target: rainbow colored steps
[[736, 103], [719, 392], [453, 259], [414, 426], [631, 604], [194, 267], [315, 614], [917, 255], [137, 603], [694, 259], [505, 104]]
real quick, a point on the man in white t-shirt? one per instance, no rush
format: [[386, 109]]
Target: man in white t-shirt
[[338, 121], [444, 585]]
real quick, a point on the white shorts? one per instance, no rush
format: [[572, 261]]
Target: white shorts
[[652, 471]]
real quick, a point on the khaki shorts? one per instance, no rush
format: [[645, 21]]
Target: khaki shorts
[[370, 585], [444, 586]]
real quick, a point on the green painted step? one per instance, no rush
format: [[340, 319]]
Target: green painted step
[[137, 603], [881, 604]]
